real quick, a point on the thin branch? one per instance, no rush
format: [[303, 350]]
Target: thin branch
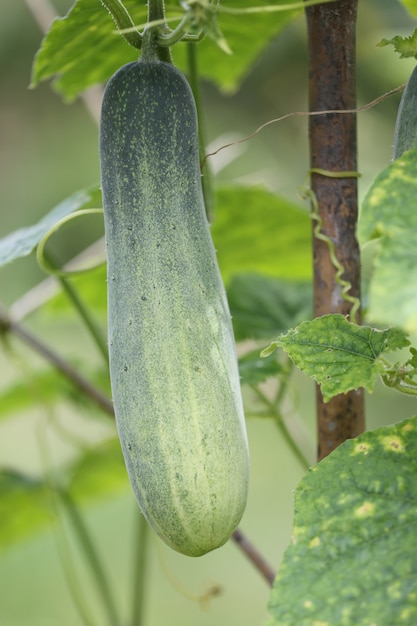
[[254, 556], [92, 392], [71, 576], [360, 109], [91, 555], [282, 427]]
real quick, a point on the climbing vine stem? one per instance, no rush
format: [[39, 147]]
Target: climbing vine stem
[[345, 285]]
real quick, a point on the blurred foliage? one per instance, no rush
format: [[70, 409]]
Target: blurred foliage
[[257, 231], [28, 505], [254, 370], [263, 306]]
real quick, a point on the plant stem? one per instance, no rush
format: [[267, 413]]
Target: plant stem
[[174, 36], [193, 77], [156, 11], [82, 310], [332, 42], [139, 576], [410, 390], [86, 317], [73, 582], [283, 428], [123, 21], [71, 576], [399, 383], [91, 556]]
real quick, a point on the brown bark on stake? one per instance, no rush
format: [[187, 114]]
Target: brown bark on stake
[[331, 40]]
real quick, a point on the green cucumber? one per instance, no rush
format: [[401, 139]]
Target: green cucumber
[[405, 133], [173, 366]]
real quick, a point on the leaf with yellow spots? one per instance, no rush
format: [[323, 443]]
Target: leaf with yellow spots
[[351, 560], [389, 205], [393, 287], [388, 214]]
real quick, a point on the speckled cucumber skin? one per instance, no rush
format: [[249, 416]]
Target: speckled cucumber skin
[[173, 365]]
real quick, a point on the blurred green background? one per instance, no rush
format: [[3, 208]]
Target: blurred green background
[[48, 149]]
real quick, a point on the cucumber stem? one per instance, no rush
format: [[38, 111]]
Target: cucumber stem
[[156, 11]]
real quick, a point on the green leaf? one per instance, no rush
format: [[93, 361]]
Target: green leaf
[[262, 306], [255, 231], [412, 362], [388, 212], [339, 355], [254, 370], [405, 46], [27, 503], [351, 558], [82, 49], [21, 242]]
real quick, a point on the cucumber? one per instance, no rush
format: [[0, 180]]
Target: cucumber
[[173, 366], [405, 133]]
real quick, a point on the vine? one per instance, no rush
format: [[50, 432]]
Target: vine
[[346, 286], [276, 120]]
